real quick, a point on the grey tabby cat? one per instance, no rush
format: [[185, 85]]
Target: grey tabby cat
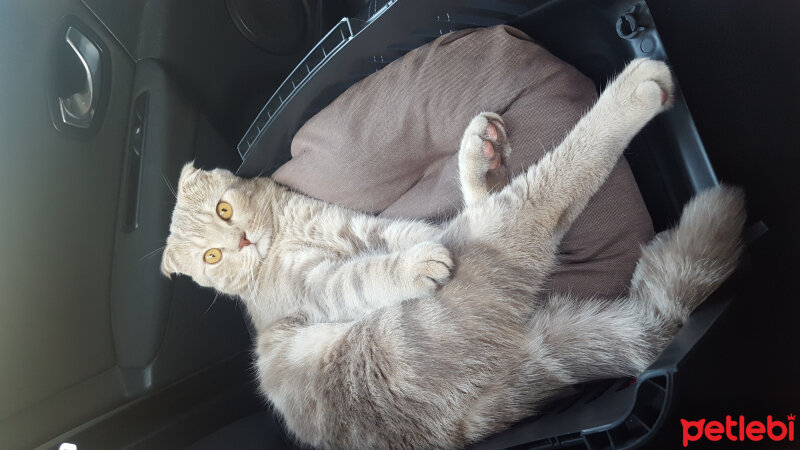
[[377, 333]]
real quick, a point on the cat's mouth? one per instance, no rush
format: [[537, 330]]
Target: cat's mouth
[[262, 245]]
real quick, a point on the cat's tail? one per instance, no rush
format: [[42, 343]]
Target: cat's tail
[[681, 267], [575, 340]]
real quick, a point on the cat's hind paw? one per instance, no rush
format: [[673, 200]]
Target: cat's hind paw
[[644, 86], [483, 156]]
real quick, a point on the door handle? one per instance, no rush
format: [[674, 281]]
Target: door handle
[[78, 109]]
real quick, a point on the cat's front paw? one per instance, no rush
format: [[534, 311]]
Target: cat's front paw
[[483, 156], [644, 88], [429, 265]]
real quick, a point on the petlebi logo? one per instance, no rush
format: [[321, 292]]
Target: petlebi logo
[[739, 429]]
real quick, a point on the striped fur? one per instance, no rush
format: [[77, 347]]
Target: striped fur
[[376, 333]]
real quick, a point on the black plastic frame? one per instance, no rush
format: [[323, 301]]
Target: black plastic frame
[[667, 158]]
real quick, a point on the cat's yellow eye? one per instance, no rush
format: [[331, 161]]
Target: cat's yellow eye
[[224, 210], [212, 256]]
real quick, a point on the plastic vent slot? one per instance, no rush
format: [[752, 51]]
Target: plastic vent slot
[[358, 54], [321, 53]]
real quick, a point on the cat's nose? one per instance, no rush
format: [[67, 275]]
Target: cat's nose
[[243, 242]]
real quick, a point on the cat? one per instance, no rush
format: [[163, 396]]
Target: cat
[[385, 333]]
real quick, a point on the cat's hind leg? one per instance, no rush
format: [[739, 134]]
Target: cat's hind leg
[[558, 187], [546, 199], [423, 374], [524, 222], [482, 158]]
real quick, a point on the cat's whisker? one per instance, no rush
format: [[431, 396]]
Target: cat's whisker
[[216, 294], [254, 287], [453, 204], [152, 253], [254, 284], [544, 149], [263, 171], [169, 186]]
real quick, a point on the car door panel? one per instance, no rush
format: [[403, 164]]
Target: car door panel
[[87, 321], [152, 316], [90, 330], [59, 234]]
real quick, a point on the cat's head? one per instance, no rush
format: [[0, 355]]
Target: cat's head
[[221, 230]]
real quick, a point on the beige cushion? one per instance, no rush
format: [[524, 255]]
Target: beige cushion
[[389, 144]]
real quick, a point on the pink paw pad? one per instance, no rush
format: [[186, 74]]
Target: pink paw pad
[[491, 135], [488, 149], [491, 131]]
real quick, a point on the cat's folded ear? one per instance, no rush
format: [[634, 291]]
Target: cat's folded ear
[[168, 263], [193, 178], [187, 172]]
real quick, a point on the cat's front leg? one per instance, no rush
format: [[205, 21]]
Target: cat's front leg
[[424, 267], [399, 235], [349, 289]]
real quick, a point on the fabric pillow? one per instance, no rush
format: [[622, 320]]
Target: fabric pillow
[[389, 145]]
